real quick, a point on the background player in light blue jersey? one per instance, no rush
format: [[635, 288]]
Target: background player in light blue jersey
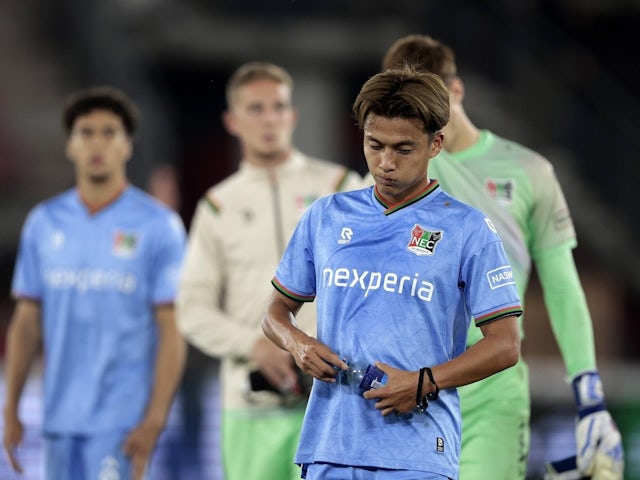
[[519, 191], [396, 270], [95, 280]]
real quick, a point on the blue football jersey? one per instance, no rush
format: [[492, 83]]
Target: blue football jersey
[[98, 278], [396, 284]]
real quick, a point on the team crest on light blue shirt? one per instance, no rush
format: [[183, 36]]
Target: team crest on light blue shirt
[[124, 244], [423, 241]]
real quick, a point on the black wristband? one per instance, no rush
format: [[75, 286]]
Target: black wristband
[[432, 395], [422, 402]]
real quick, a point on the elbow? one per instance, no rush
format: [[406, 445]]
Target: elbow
[[266, 327], [511, 352]]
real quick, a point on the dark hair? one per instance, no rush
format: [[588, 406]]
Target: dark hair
[[101, 98], [424, 54], [404, 93]]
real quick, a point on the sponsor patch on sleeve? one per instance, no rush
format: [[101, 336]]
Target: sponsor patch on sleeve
[[562, 219], [500, 277]]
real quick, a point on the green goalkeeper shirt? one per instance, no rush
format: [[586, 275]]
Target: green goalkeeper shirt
[[518, 189]]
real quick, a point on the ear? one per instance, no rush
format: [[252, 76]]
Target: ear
[[129, 148], [437, 143], [229, 122], [67, 149], [456, 90]]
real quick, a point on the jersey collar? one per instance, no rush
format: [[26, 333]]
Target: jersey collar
[[389, 209], [94, 209]]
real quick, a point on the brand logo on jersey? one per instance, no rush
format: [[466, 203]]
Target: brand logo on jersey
[[368, 282], [501, 190], [490, 224], [57, 239], [345, 235], [439, 444], [97, 280], [124, 244], [562, 219], [109, 469], [500, 277], [423, 242]]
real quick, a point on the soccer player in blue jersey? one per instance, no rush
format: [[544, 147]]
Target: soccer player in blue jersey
[[518, 190], [95, 280], [397, 270]]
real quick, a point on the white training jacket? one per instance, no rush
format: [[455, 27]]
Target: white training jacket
[[238, 234]]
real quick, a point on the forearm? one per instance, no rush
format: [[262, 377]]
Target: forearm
[[23, 341], [169, 365], [568, 310], [279, 323], [497, 350], [201, 318], [312, 356], [209, 328]]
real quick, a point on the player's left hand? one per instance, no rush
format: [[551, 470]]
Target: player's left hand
[[398, 395], [598, 441], [139, 446], [12, 439]]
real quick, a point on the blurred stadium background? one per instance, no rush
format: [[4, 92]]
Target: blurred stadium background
[[558, 76]]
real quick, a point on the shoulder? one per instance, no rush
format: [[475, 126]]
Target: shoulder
[[462, 211], [225, 192], [320, 164], [347, 201], [341, 177], [526, 156], [62, 201], [145, 201], [152, 210]]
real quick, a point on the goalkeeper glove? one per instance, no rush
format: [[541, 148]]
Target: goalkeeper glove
[[598, 441], [565, 469]]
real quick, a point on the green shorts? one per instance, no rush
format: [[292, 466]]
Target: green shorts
[[495, 426], [261, 444]]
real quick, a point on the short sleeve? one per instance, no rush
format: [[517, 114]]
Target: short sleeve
[[170, 244]]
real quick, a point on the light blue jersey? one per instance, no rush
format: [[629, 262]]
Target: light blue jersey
[[397, 285], [98, 277]]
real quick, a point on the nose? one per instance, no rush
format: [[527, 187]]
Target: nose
[[272, 115], [386, 160]]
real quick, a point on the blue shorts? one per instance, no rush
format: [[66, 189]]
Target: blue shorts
[[86, 458], [330, 471]]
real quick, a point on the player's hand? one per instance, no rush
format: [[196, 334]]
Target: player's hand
[[275, 364], [598, 441], [565, 469], [314, 357], [139, 446], [398, 395], [12, 439]]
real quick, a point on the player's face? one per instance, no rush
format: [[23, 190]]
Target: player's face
[[99, 147], [398, 153], [263, 119]]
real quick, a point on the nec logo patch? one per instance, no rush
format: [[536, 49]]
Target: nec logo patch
[[500, 277], [423, 242]]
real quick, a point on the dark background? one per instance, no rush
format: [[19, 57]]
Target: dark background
[[560, 77]]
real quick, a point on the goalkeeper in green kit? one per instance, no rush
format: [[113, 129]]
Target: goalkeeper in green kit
[[517, 188]]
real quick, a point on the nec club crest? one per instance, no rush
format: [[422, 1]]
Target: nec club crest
[[124, 244], [423, 242]]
